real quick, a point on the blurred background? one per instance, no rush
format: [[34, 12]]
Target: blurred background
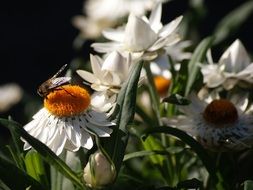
[[36, 37]]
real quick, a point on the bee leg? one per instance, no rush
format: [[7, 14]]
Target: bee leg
[[66, 91]]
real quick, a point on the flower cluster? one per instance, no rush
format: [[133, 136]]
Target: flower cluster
[[143, 77], [220, 114]]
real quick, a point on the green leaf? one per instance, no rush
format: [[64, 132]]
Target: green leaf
[[144, 153], [248, 185], [177, 99], [48, 155], [202, 154], [232, 21], [152, 143], [126, 101], [15, 178], [198, 56], [34, 166], [16, 149]]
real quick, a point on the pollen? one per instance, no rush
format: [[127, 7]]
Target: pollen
[[220, 112], [67, 100], [162, 84]]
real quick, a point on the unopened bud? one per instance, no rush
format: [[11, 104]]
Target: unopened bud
[[98, 172]]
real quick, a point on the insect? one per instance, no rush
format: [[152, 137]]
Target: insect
[[52, 83]]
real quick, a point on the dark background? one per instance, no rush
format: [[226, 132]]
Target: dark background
[[36, 36]]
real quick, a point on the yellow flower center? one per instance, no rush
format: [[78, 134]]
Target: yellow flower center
[[220, 112], [162, 84], [67, 100]]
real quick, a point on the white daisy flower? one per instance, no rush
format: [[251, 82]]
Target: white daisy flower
[[10, 94], [66, 121], [103, 14], [234, 67], [141, 36], [218, 124]]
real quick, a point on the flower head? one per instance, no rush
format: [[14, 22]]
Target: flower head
[[107, 78], [234, 67], [108, 74], [141, 36], [67, 120], [218, 124]]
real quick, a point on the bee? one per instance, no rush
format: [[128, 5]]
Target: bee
[[53, 83]]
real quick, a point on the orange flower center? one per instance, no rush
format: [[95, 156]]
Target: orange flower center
[[220, 112], [67, 100], [162, 84]]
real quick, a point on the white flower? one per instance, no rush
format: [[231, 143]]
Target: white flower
[[108, 74], [234, 67], [218, 124], [107, 78], [10, 94], [141, 36], [67, 120], [98, 172], [102, 14]]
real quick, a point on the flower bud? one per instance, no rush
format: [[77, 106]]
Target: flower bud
[[98, 172]]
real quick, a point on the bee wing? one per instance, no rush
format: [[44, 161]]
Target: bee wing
[[59, 81], [60, 70]]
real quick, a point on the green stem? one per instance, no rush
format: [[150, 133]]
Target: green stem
[[155, 99], [153, 93]]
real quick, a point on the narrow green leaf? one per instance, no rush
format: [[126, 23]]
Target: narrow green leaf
[[202, 154], [15, 178], [45, 152], [144, 153], [15, 149], [232, 21], [177, 99], [35, 167], [152, 143], [198, 56], [126, 102]]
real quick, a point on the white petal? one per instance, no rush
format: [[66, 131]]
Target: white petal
[[58, 143], [96, 65], [107, 47], [114, 35], [212, 74], [86, 140], [229, 83], [114, 62], [170, 27], [155, 17], [88, 76], [235, 57], [73, 135], [41, 113], [101, 132], [138, 34], [164, 41], [99, 87], [95, 121]]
